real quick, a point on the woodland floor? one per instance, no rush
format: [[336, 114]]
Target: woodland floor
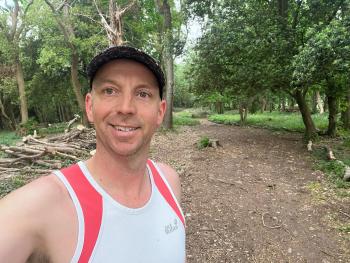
[[256, 199]]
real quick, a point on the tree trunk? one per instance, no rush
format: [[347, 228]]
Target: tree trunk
[[291, 104], [314, 103], [77, 85], [332, 116], [242, 111], [6, 119], [325, 103], [168, 61], [219, 107], [310, 129], [21, 91], [346, 113], [319, 103], [284, 104], [263, 105]]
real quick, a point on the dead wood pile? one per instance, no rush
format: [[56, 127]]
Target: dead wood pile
[[41, 156]]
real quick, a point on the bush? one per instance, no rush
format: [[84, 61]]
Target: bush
[[203, 142], [28, 127]]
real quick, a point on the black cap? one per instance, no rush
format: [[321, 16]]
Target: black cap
[[126, 52]]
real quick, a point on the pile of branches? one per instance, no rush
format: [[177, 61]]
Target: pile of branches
[[41, 156]]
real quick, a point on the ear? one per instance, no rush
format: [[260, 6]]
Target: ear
[[161, 112], [88, 107]]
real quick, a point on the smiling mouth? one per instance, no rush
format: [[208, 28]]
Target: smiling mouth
[[124, 128]]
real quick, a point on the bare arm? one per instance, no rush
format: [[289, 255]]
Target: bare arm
[[21, 225]]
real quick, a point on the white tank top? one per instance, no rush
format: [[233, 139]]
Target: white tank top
[[112, 233]]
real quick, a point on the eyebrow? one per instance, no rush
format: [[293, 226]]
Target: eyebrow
[[111, 81]]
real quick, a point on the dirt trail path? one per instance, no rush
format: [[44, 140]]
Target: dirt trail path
[[249, 201]]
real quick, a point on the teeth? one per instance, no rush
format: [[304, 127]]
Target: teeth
[[124, 129]]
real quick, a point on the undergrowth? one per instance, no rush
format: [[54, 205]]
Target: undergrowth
[[272, 120], [8, 138], [183, 118]]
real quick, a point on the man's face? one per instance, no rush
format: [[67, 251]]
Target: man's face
[[125, 107]]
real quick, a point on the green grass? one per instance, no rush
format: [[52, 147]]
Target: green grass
[[274, 120], [184, 118], [8, 137], [334, 170]]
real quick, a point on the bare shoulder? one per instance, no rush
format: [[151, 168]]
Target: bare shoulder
[[23, 215], [173, 179], [35, 195]]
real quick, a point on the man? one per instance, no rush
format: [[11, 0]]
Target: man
[[118, 206]]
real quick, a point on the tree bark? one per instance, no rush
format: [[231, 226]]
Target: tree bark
[[310, 129], [8, 123], [77, 85], [219, 107], [325, 103], [168, 60], [263, 104], [319, 103], [314, 103], [332, 116], [21, 91], [332, 107], [283, 106], [346, 113]]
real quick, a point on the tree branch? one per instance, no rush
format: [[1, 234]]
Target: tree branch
[[121, 12], [20, 29], [60, 23], [103, 20], [60, 6], [14, 18], [88, 17]]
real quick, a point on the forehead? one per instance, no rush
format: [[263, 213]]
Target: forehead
[[124, 68]]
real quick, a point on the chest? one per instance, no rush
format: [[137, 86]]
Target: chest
[[151, 234], [154, 234]]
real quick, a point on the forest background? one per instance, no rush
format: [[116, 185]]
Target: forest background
[[290, 56]]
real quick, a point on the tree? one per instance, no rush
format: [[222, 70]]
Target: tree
[[114, 28], [168, 60], [63, 18], [325, 60], [253, 54], [14, 32]]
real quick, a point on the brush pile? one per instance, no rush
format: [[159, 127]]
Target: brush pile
[[41, 156]]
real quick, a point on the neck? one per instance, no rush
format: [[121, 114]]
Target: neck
[[120, 176]]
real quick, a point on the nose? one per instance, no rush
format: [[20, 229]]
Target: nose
[[127, 104]]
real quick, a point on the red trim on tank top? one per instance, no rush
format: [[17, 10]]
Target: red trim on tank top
[[165, 191], [91, 203]]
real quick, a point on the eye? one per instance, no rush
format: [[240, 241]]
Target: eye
[[109, 91], [144, 94]]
